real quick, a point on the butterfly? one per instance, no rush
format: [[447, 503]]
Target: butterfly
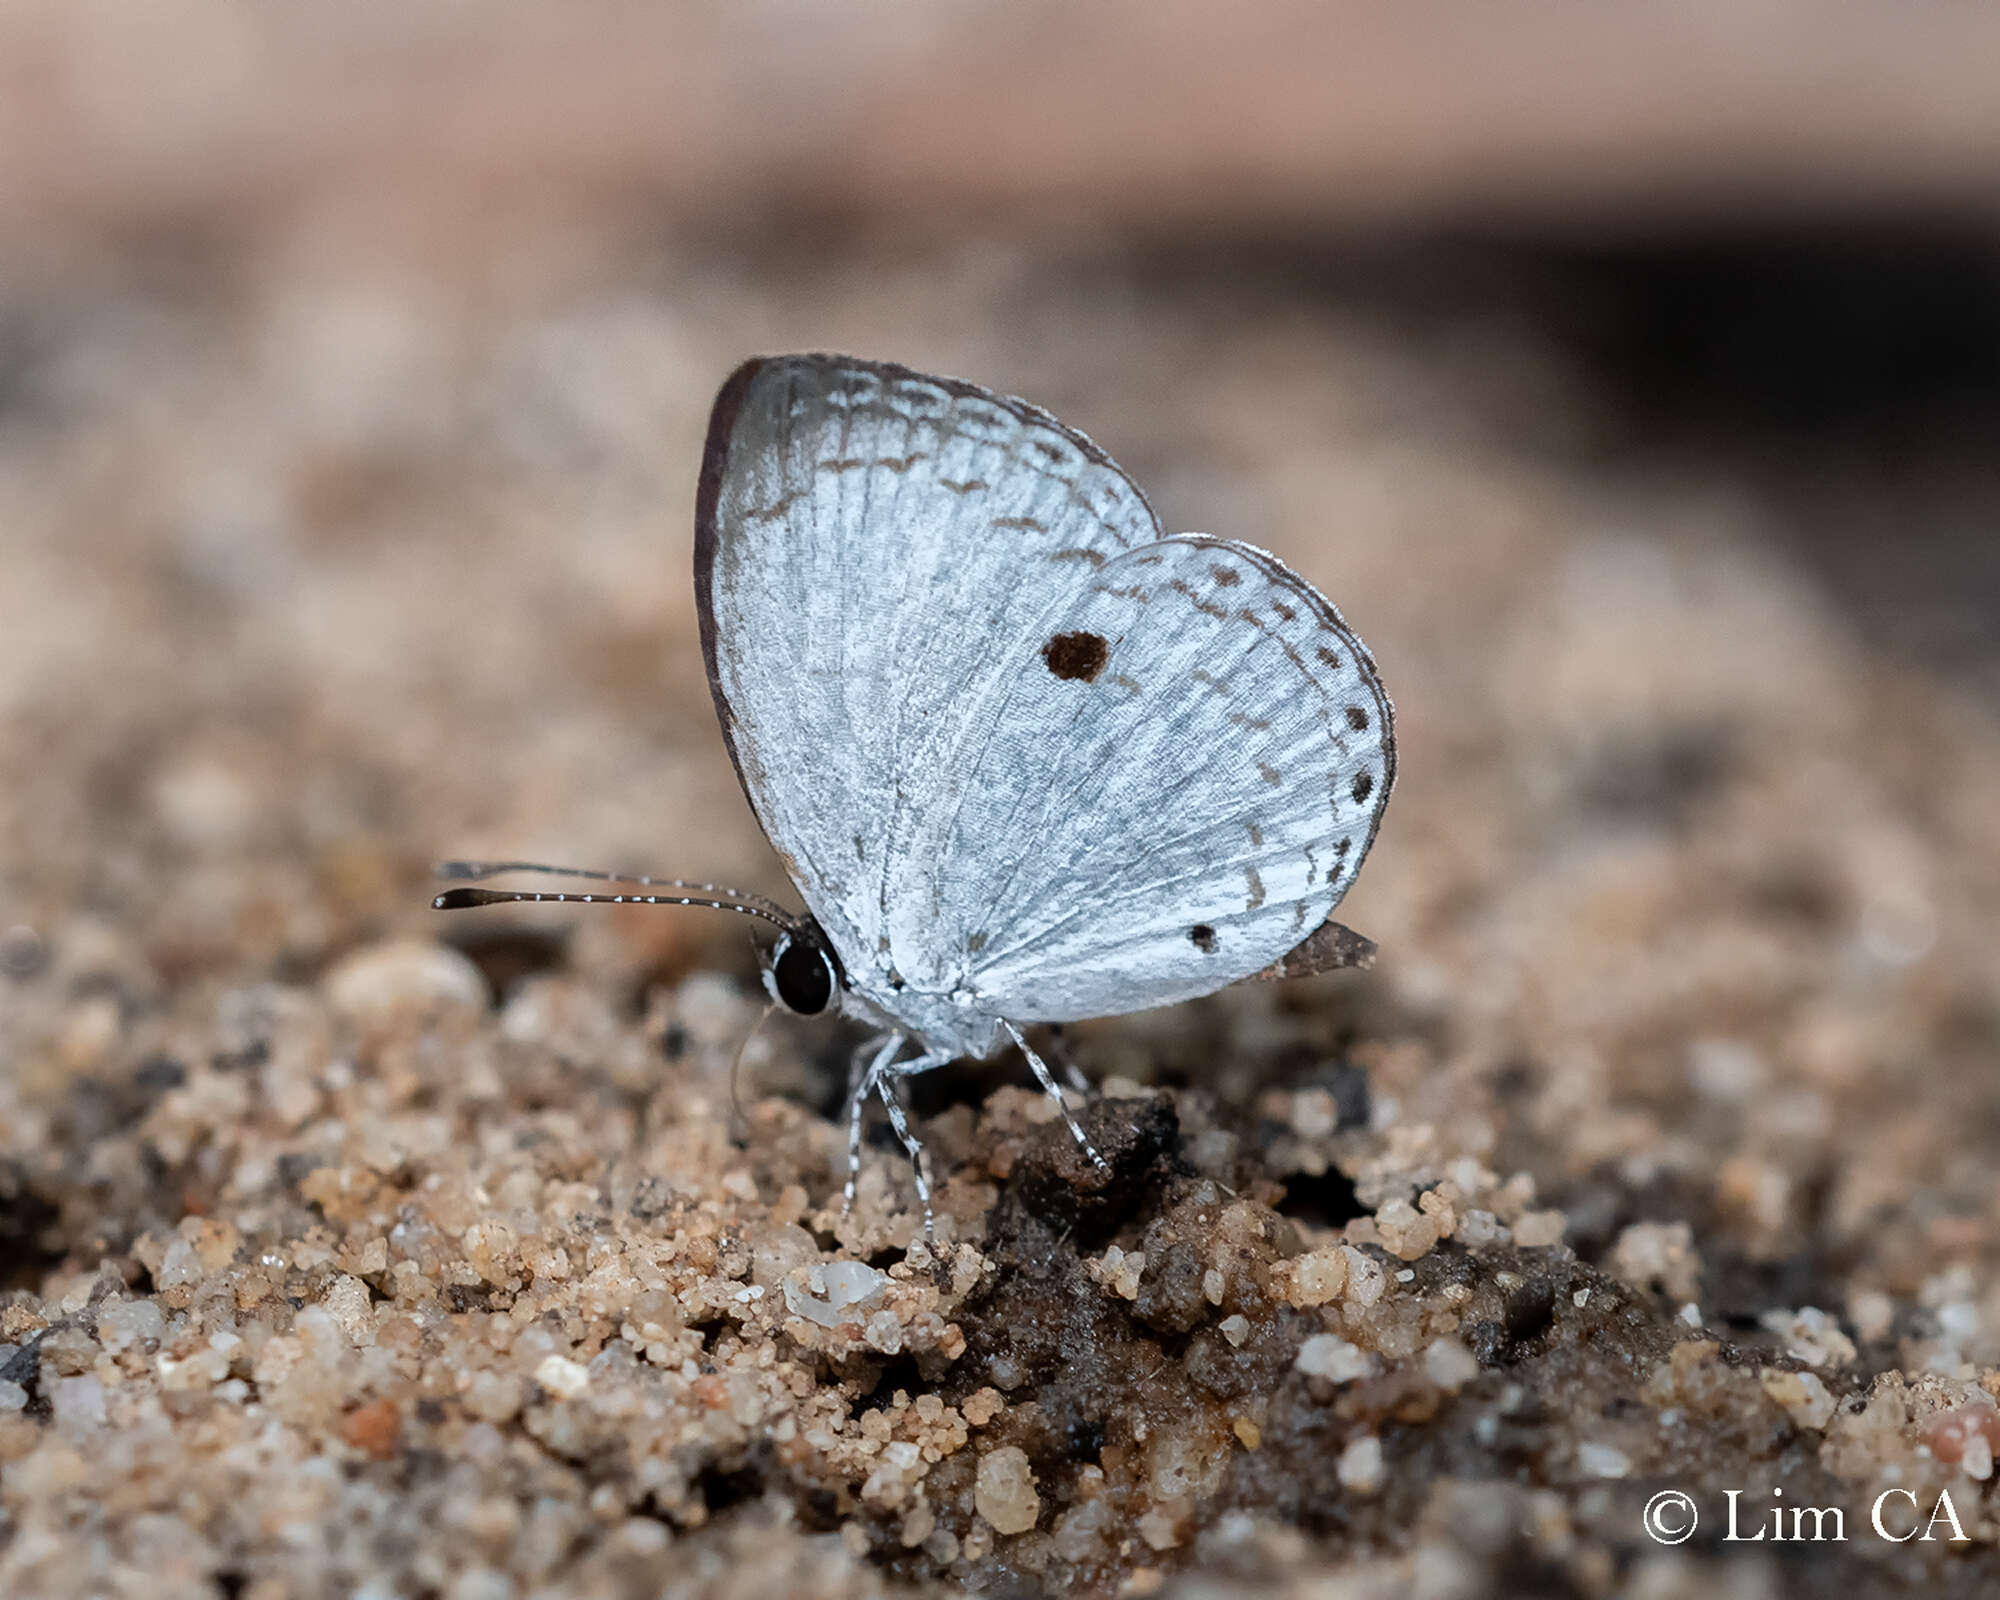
[[1026, 757]]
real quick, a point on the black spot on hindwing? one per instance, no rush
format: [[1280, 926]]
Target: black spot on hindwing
[[1202, 936]]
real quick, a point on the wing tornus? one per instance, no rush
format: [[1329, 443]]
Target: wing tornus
[[1328, 948]]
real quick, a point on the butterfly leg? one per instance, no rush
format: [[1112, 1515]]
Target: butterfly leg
[[889, 1084], [862, 1075], [1048, 1084]]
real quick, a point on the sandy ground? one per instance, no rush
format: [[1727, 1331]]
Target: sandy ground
[[349, 1249], [345, 1247]]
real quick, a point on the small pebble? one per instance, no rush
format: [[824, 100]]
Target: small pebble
[[78, 1403], [1328, 1356], [1804, 1398], [414, 974], [1004, 1490], [124, 1323], [562, 1377], [1602, 1460], [833, 1291], [1449, 1365], [1318, 1277], [1361, 1467], [1160, 1528]]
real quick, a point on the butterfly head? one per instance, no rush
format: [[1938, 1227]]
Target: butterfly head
[[804, 974]]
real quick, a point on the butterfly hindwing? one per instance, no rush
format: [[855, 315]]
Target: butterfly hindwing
[[1178, 784]]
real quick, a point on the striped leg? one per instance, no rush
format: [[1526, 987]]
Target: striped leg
[[890, 1086], [861, 1079], [1048, 1084]]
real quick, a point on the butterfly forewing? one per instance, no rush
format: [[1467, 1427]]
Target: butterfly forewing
[[870, 542]]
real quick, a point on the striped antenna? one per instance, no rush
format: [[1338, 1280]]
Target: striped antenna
[[711, 895]]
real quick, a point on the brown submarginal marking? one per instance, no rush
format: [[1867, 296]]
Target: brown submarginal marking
[[1050, 451], [1343, 847], [1129, 685], [1270, 775], [1077, 655], [1147, 561], [1202, 936], [777, 508], [975, 943], [1075, 552], [1256, 885], [1256, 833], [1028, 523], [1228, 577], [899, 463], [843, 464], [1203, 675], [1328, 656], [1364, 786], [1284, 611], [1243, 719], [1209, 607], [963, 485], [1143, 596], [1357, 719]]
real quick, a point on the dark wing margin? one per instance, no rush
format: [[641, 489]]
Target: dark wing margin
[[708, 493]]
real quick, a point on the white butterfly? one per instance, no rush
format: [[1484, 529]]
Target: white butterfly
[[1026, 758]]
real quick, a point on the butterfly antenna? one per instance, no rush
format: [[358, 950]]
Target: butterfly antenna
[[739, 899], [466, 899]]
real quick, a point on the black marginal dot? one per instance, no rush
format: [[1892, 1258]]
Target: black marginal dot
[[1364, 786], [1203, 938], [1357, 719]]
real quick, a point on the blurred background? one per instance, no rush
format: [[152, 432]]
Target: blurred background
[[1628, 375]]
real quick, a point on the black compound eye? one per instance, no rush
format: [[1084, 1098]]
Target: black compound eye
[[803, 974]]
